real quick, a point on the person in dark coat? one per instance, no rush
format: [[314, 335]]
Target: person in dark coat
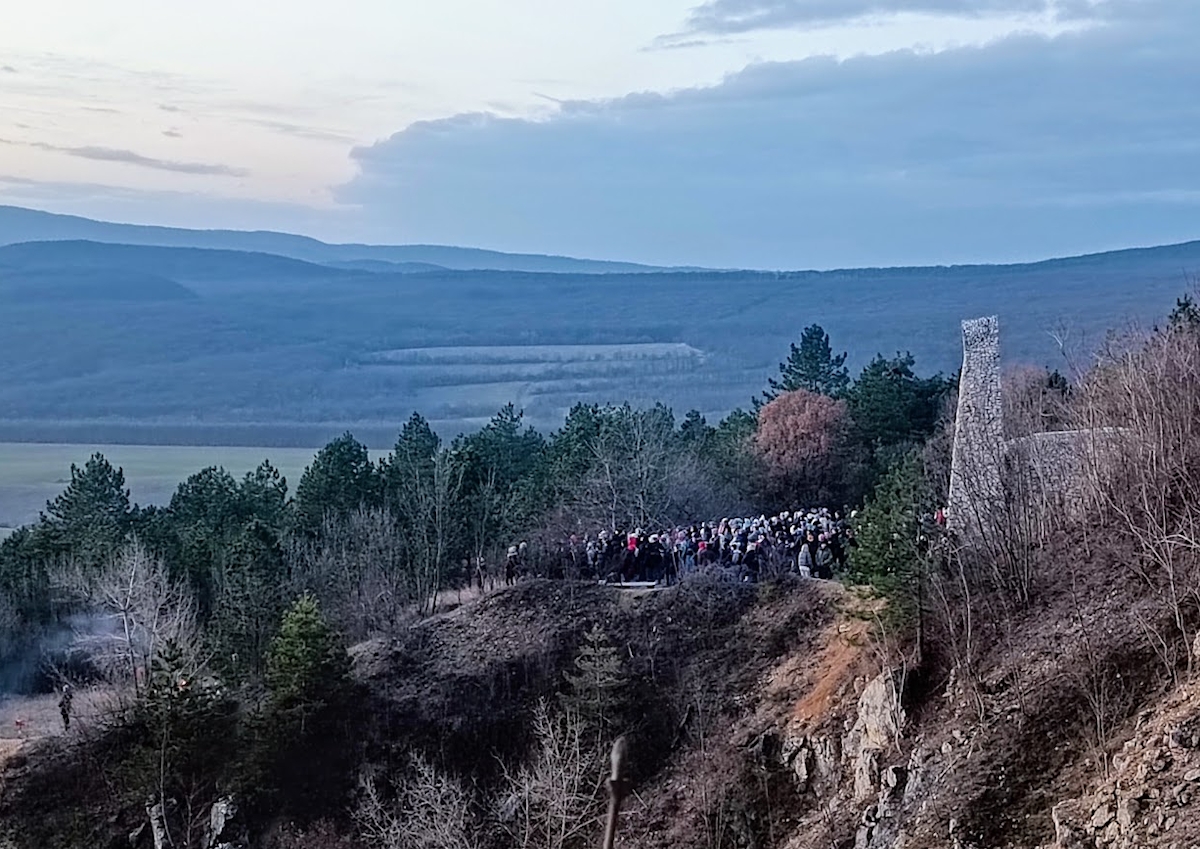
[[824, 560], [751, 562], [654, 568], [510, 566], [64, 706]]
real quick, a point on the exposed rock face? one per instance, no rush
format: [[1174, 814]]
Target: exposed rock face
[[158, 825], [866, 774], [1068, 833], [220, 824], [875, 732], [880, 714], [1152, 796], [815, 762]]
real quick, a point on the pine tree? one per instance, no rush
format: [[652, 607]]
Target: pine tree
[[251, 599], [191, 732], [304, 753], [1185, 316], [340, 479], [92, 515], [812, 366], [889, 528], [307, 669], [597, 685]]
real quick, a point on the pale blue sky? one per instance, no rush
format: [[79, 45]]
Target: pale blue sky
[[766, 133]]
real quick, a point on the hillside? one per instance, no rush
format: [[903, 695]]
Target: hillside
[[763, 717], [30, 225], [230, 346]]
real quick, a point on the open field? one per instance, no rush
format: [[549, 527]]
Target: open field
[[32, 473], [139, 345]]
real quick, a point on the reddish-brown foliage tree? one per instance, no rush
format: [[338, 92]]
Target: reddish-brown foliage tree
[[801, 441]]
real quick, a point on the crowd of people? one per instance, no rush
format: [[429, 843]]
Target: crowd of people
[[811, 543]]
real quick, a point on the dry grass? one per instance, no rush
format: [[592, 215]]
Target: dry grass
[[35, 717]]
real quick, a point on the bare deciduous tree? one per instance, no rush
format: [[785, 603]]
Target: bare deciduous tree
[[357, 567], [638, 475], [429, 500], [146, 609]]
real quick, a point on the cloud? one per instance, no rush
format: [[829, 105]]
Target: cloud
[[675, 41], [299, 130], [1029, 146], [739, 16], [129, 157]]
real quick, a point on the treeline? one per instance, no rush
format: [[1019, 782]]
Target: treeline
[[430, 513]]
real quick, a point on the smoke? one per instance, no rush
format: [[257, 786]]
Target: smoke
[[37, 661]]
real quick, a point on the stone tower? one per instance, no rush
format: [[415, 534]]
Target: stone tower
[[975, 471]]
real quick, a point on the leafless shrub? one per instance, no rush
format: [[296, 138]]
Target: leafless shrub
[[1034, 401], [320, 835], [1010, 487], [1011, 514], [555, 801], [1140, 472], [1098, 680], [713, 764], [950, 599], [433, 811]]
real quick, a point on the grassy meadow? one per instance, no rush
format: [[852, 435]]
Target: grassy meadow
[[32, 473]]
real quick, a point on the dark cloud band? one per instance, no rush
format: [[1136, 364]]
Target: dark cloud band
[[129, 157], [1028, 146]]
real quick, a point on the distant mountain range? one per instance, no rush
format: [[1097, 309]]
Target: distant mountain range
[[29, 225], [114, 332]]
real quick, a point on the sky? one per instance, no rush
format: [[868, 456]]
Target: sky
[[729, 133]]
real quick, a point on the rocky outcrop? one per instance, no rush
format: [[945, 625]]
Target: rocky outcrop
[[862, 772], [156, 814], [880, 714], [875, 732], [816, 763], [1151, 797], [222, 830]]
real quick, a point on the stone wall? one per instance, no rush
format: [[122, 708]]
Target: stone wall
[[1049, 468]]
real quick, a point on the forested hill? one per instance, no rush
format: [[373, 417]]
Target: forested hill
[[254, 347]]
